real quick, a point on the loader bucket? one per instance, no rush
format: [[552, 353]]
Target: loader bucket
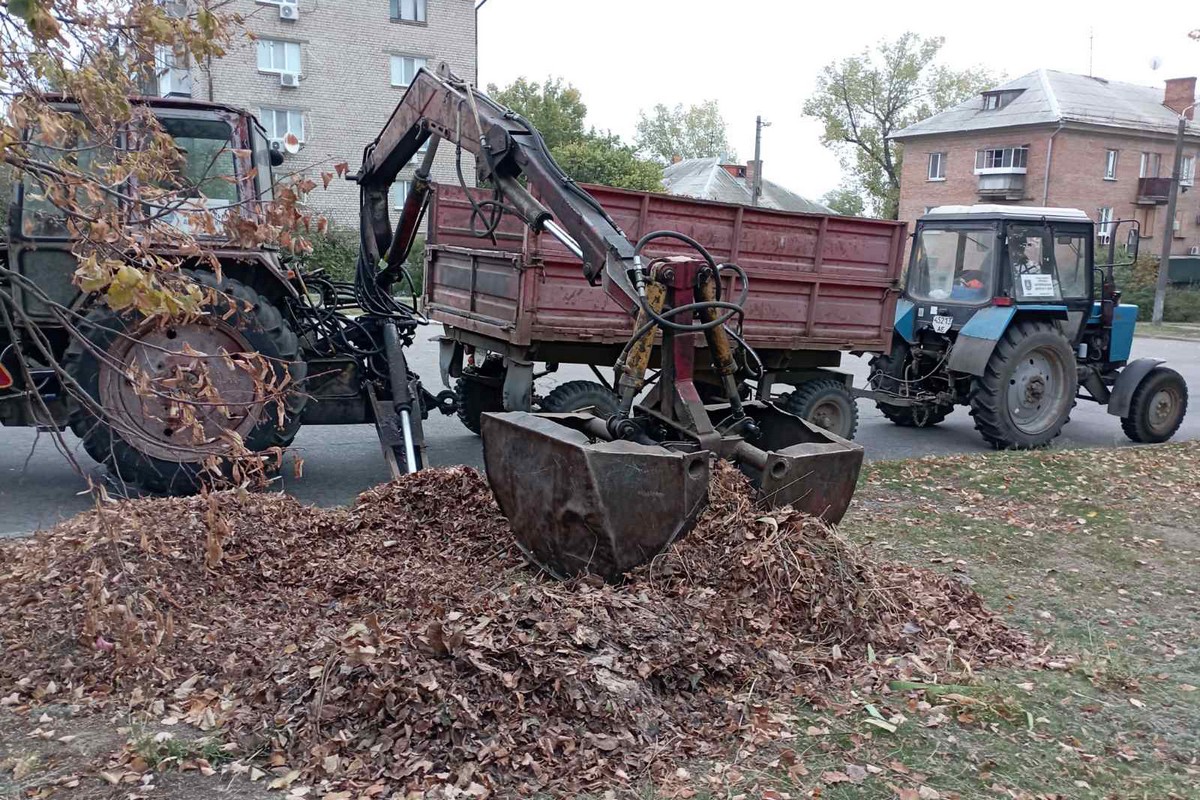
[[579, 504], [795, 463]]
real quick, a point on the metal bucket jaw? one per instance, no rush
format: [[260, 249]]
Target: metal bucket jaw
[[795, 463], [578, 504]]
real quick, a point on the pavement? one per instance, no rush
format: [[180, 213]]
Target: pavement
[[38, 486]]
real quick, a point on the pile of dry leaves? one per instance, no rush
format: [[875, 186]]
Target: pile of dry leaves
[[403, 641]]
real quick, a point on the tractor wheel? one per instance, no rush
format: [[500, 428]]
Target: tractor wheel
[[1027, 391], [1157, 408], [476, 397], [578, 395], [886, 373], [141, 438], [826, 403]]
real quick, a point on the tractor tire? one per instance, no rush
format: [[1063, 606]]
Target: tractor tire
[[476, 397], [134, 439], [826, 403], [891, 366], [1157, 407], [1027, 390], [578, 395]]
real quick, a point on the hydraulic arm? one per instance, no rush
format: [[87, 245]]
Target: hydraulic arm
[[585, 493]]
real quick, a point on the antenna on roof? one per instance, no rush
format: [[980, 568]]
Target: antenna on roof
[[1091, 50]]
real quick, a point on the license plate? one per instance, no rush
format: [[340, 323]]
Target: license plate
[[942, 323]]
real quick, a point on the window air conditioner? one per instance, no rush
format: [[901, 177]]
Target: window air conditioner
[[289, 79], [277, 145], [289, 10], [1194, 250]]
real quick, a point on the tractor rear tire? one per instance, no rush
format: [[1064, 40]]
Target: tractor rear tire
[[889, 369], [135, 439], [578, 395], [1157, 407], [477, 397], [826, 403], [1027, 390]]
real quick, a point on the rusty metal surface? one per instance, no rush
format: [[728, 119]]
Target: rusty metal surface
[[816, 282], [578, 505], [799, 464]]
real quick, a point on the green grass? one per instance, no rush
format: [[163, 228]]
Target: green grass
[[1095, 553]]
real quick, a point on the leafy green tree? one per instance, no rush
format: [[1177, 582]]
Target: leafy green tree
[[695, 132], [604, 159], [864, 99], [557, 110], [845, 200]]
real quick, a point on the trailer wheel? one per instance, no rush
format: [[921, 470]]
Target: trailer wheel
[[826, 403], [137, 439], [1157, 408], [886, 373], [477, 397], [578, 395], [1027, 391]]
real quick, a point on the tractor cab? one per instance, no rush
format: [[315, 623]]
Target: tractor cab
[[969, 258]]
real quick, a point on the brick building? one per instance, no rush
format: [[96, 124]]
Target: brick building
[[1056, 139], [331, 72]]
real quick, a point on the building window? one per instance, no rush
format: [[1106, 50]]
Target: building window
[[278, 56], [279, 122], [1110, 165], [937, 167], [1150, 165], [1177, 226], [400, 190], [1187, 171], [1002, 158], [404, 69], [1104, 225], [408, 10]]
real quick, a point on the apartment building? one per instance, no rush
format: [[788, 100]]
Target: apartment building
[[1056, 139], [330, 72]]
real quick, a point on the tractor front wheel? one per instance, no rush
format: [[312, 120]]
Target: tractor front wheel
[[1157, 408], [480, 389], [1027, 391]]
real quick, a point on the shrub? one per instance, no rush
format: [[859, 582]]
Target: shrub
[[336, 252]]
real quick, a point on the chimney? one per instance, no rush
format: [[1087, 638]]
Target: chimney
[[1180, 94], [753, 175]]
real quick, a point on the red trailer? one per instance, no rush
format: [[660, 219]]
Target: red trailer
[[819, 285]]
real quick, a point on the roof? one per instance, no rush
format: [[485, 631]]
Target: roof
[[993, 210], [1048, 97], [707, 179]]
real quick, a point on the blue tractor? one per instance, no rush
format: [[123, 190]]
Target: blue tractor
[[1005, 310]]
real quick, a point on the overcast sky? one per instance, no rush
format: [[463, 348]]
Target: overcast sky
[[762, 56]]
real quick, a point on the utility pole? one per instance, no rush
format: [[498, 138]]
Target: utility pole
[[1164, 264], [756, 188]]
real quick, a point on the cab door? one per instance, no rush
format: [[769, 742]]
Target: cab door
[[1073, 260]]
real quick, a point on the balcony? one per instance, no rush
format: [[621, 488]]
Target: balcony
[[1006, 185], [1153, 191]]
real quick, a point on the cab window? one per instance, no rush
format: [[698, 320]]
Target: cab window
[[47, 204], [1071, 261], [1031, 259], [205, 177], [953, 265]]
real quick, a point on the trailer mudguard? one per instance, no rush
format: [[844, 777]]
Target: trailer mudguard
[[975, 342], [1127, 382]]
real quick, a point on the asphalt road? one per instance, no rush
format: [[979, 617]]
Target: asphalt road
[[38, 486]]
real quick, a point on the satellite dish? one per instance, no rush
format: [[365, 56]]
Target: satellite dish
[[1155, 62], [291, 144]]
